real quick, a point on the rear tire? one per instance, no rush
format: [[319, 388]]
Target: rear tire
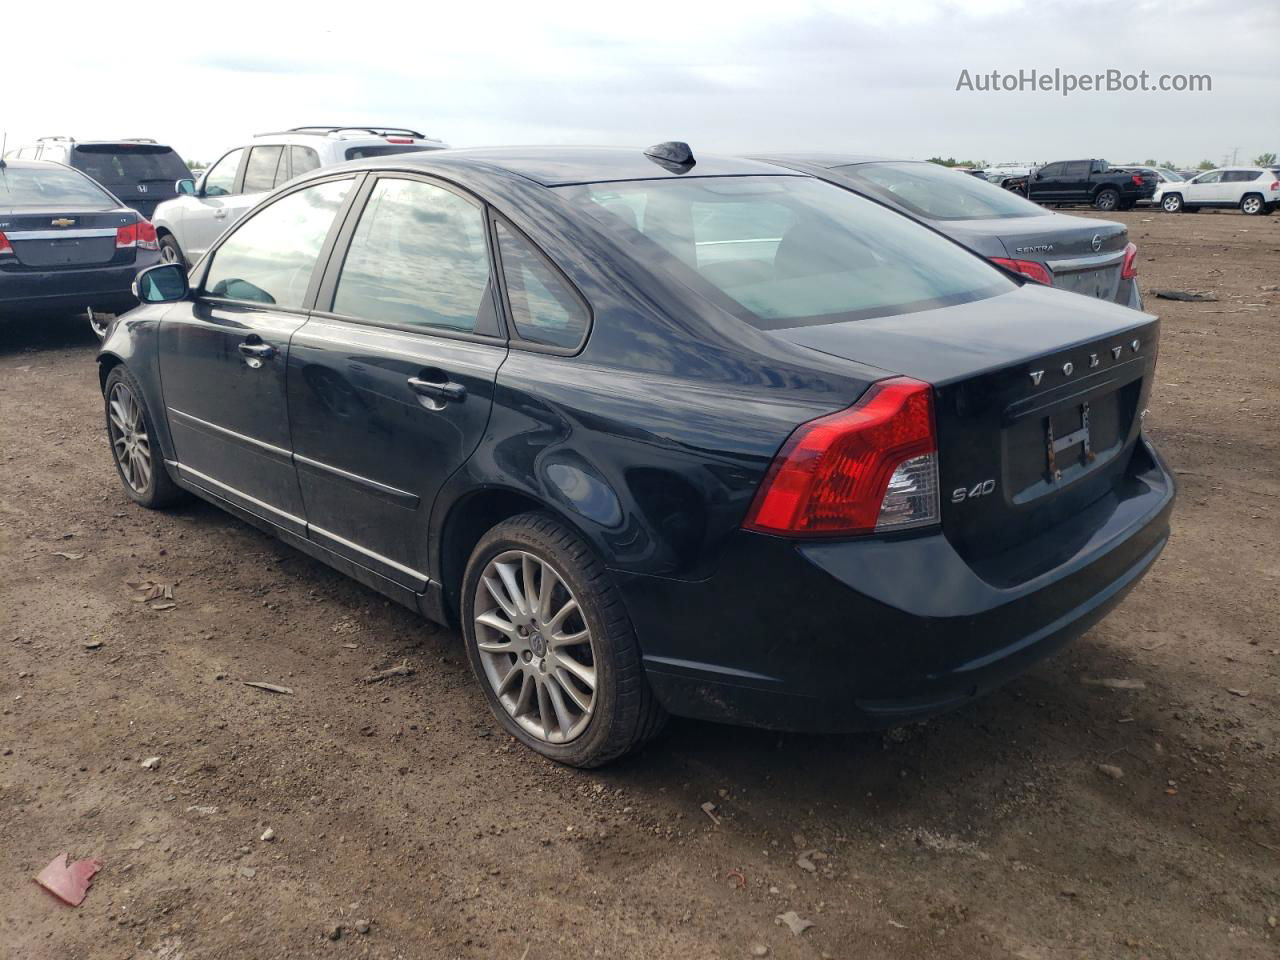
[[1252, 204], [170, 252], [534, 683], [134, 450], [1106, 199], [1172, 203]]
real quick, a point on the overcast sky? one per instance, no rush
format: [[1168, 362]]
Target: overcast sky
[[729, 77]]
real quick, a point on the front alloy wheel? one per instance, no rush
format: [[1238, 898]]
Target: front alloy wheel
[[130, 442], [1172, 203], [535, 646]]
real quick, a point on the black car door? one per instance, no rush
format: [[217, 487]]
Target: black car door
[[391, 380], [1045, 184], [223, 353]]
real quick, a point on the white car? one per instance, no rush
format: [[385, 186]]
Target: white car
[[189, 224], [1254, 190]]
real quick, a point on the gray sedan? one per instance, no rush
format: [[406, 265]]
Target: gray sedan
[[1080, 254]]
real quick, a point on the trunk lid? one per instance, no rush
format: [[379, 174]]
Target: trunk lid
[[52, 239], [1015, 377], [1084, 255]]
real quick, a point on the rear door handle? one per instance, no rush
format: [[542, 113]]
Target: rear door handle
[[437, 389]]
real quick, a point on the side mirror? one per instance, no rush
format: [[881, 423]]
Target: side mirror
[[186, 187], [163, 283]]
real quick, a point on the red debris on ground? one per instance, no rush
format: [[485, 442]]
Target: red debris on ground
[[68, 883]]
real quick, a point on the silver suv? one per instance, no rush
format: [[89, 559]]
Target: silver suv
[[189, 224]]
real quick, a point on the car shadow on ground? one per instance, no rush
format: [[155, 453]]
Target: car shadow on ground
[[52, 332]]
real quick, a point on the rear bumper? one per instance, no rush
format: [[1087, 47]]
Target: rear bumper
[[871, 633], [103, 288]]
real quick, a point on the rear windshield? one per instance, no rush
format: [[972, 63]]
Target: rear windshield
[[383, 150], [788, 251], [112, 163], [50, 186], [928, 190]]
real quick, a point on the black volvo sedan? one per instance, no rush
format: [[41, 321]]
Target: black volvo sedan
[[661, 433], [66, 244]]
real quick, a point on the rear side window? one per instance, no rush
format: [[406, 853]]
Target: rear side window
[[304, 160], [544, 307], [1079, 168], [787, 251], [55, 186], [129, 163], [260, 172], [418, 258], [269, 258]]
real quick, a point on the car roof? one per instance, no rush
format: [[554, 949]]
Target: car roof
[[562, 166], [829, 160]]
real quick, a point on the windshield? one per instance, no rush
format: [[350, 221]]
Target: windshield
[[1172, 175], [788, 251], [928, 190], [50, 186], [115, 163]]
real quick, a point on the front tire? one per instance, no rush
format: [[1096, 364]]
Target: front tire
[[551, 643], [1253, 205], [1172, 203], [131, 433], [1106, 199]]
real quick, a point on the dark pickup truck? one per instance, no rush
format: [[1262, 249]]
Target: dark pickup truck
[[1094, 182]]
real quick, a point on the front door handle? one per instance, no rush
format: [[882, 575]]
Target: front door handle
[[441, 389], [255, 353]]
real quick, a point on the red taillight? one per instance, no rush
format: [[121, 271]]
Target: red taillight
[[6, 248], [1129, 269], [1137, 179], [127, 236], [1275, 184], [1028, 268], [871, 467], [399, 139], [147, 239]]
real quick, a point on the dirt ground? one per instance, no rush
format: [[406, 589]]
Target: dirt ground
[[991, 832]]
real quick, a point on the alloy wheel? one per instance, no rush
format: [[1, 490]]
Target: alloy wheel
[[129, 441], [535, 646], [1251, 205]]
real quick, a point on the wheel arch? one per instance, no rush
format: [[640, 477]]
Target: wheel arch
[[468, 519]]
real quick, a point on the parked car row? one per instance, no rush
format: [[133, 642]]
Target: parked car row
[[748, 441]]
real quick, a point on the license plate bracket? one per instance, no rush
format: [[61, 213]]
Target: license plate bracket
[[1057, 442]]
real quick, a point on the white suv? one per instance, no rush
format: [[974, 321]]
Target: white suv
[[1253, 190], [189, 224]]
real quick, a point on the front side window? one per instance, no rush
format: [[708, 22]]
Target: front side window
[[53, 186], [221, 178], [788, 251], [1213, 176], [418, 258], [543, 306], [260, 173], [929, 190], [269, 258], [1052, 169]]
